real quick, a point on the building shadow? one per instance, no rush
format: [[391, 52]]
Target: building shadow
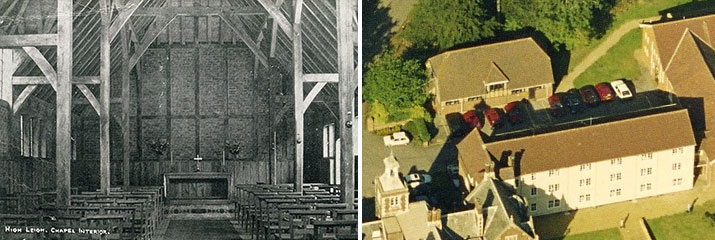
[[376, 29], [688, 10], [367, 207]]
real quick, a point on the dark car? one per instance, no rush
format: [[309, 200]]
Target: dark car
[[493, 117], [513, 111], [604, 92], [589, 95], [572, 100], [557, 108], [471, 119]]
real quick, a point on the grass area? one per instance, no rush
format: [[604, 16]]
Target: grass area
[[643, 9], [609, 234], [617, 63], [685, 226]]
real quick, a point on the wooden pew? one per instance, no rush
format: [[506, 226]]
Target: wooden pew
[[335, 229]]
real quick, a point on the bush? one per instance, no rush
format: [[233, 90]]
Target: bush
[[378, 112], [387, 131], [418, 130]]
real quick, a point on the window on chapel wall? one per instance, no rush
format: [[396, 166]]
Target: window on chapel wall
[[496, 87]]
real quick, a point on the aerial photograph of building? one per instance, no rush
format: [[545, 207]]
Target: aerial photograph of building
[[513, 119]]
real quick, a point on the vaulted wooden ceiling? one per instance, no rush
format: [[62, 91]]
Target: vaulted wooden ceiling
[[254, 23]]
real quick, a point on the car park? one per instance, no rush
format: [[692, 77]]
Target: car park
[[493, 116], [621, 89], [416, 179], [396, 139], [604, 92], [589, 95], [513, 111], [572, 100], [471, 119], [556, 107]]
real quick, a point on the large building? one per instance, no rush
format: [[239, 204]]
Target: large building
[[594, 165], [489, 74], [494, 213]]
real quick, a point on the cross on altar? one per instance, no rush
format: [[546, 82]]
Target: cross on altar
[[198, 159]]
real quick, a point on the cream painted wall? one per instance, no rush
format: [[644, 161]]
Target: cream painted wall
[[576, 182]]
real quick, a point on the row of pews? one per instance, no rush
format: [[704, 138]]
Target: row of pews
[[279, 212], [132, 213]]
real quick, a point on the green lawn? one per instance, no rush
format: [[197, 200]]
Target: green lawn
[[644, 9], [606, 234], [685, 226], [617, 63]]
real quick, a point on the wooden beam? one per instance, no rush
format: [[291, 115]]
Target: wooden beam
[[278, 17], [90, 98], [123, 17], [22, 98], [312, 94], [24, 40], [156, 27], [240, 29], [279, 116], [346, 93], [104, 70], [321, 77], [7, 68], [126, 105], [39, 80], [84, 101], [274, 32], [298, 97], [44, 65], [198, 11], [63, 153]]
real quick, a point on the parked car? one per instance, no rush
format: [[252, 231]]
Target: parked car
[[396, 139], [416, 179], [621, 89], [493, 117], [514, 110], [572, 100], [589, 95], [557, 109], [471, 118], [453, 172], [604, 92]]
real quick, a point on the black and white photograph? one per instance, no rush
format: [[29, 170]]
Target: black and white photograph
[[179, 119]]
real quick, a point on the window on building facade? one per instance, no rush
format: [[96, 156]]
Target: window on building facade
[[394, 202], [533, 191], [585, 167], [615, 192], [533, 177], [451, 102], [677, 181], [588, 197], [511, 237], [551, 204], [557, 203], [581, 198], [677, 150], [553, 187], [646, 186], [647, 156], [496, 87], [676, 166], [617, 161], [646, 171], [517, 91], [553, 172], [533, 207], [618, 192], [586, 182], [516, 182], [473, 99]]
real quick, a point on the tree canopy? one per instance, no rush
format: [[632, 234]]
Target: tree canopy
[[396, 83], [562, 22], [440, 25]]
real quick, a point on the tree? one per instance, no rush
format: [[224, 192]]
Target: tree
[[396, 83], [562, 22], [440, 25]]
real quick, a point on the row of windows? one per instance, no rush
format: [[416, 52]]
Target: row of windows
[[615, 192], [615, 177], [646, 171], [677, 181], [585, 197], [646, 187], [586, 182], [586, 166], [551, 204]]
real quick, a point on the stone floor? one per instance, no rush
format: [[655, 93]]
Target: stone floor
[[201, 229]]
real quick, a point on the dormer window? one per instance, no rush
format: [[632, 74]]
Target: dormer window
[[496, 79]]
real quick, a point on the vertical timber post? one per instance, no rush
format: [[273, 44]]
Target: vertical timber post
[[104, 69], [298, 95], [346, 94], [126, 105], [64, 101]]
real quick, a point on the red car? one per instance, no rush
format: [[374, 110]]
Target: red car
[[472, 119], [604, 92], [493, 116], [557, 108], [589, 95], [513, 110]]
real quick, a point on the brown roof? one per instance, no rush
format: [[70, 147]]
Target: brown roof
[[667, 34], [462, 73], [600, 142], [690, 71], [472, 155]]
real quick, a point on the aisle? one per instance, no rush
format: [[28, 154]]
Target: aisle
[[200, 229]]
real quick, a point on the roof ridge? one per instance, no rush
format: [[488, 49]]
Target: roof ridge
[[449, 52], [677, 47], [591, 126]]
